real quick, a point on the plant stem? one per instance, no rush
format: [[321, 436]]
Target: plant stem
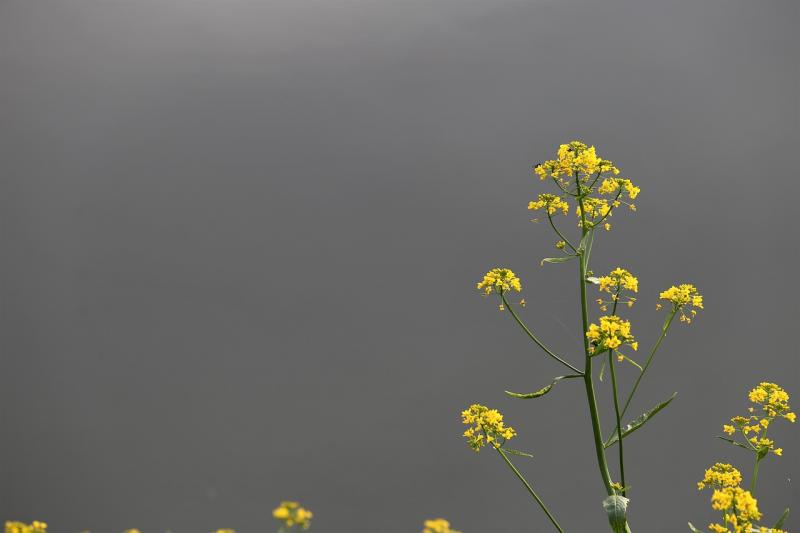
[[587, 371], [619, 420], [754, 480], [534, 338], [530, 489], [649, 360]]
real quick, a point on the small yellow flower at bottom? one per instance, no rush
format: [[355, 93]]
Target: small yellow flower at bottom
[[291, 514], [438, 525], [21, 527]]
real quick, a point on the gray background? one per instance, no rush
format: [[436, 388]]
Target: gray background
[[240, 242]]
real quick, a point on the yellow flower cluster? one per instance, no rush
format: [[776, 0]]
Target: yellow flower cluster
[[20, 527], [499, 280], [774, 403], [612, 333], [438, 525], [577, 170], [575, 158], [612, 185], [551, 203], [224, 531], [486, 427], [719, 476], [682, 296], [738, 508], [614, 283], [291, 514]]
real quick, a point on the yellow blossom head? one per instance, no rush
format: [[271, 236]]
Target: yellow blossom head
[[21, 527], [292, 514], [612, 333], [438, 525], [738, 507], [486, 427], [682, 297], [550, 203], [499, 280], [719, 476]]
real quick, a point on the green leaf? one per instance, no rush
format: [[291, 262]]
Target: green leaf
[[563, 259], [517, 452], [739, 444], [638, 422], [693, 529], [781, 520], [544, 390], [616, 507], [593, 280]]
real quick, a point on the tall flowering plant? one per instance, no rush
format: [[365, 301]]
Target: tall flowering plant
[[592, 188]]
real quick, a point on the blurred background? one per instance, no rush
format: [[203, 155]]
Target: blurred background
[[241, 240]]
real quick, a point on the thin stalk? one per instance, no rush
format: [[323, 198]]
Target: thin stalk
[[534, 338], [587, 372], [647, 364], [553, 225], [754, 480], [619, 420], [530, 489]]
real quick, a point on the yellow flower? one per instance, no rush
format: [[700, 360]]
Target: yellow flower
[[292, 514], [612, 333], [719, 476], [550, 203], [574, 158], [438, 525], [682, 296], [612, 185], [224, 531], [499, 280], [21, 527], [773, 399], [618, 279], [738, 508], [486, 427]]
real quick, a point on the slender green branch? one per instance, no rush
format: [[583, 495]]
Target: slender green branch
[[553, 225], [754, 480], [529, 488], [619, 420], [534, 338], [587, 372], [649, 360], [610, 209]]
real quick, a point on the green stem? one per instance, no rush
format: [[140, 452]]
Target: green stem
[[534, 338], [561, 235], [755, 477], [530, 489], [587, 372], [619, 419], [649, 360]]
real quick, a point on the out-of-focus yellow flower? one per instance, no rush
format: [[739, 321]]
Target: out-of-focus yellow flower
[[486, 427], [21, 527], [438, 525], [738, 507], [292, 514]]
